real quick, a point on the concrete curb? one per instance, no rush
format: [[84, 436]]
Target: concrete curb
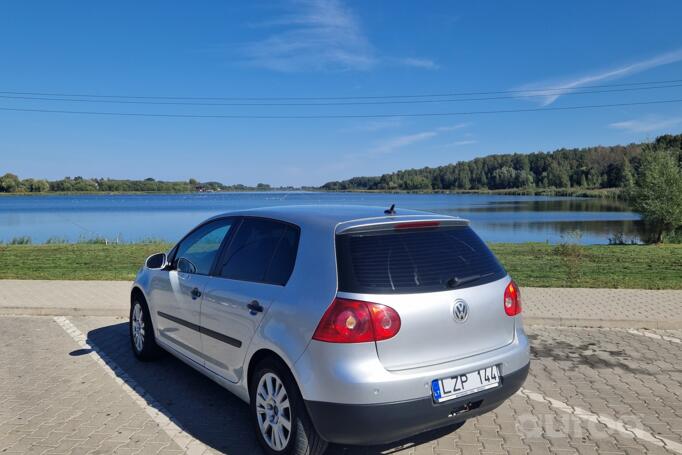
[[603, 323]]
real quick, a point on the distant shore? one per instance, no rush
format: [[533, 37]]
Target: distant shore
[[149, 193], [611, 193]]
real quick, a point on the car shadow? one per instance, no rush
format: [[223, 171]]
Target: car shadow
[[405, 444], [201, 407]]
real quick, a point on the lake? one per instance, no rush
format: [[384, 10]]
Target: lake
[[129, 218]]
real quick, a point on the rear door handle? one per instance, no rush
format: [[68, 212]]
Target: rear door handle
[[255, 307], [196, 293]]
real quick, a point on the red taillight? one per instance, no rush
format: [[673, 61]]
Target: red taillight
[[385, 321], [355, 321], [512, 299]]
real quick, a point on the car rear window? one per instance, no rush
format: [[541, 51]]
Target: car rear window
[[414, 260]]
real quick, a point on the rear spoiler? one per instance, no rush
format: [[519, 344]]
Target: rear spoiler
[[393, 224]]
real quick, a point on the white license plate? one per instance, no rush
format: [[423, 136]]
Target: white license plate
[[465, 384]]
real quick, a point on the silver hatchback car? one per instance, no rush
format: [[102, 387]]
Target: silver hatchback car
[[344, 324]]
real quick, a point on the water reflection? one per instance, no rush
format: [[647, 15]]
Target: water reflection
[[558, 231], [135, 217], [554, 205]]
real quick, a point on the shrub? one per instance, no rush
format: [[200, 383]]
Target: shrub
[[619, 238], [22, 240], [56, 241], [97, 240], [572, 253], [657, 193]]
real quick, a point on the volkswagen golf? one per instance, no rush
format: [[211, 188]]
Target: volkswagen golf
[[343, 324]]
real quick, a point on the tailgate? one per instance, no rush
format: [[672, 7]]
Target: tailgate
[[443, 281], [431, 333]]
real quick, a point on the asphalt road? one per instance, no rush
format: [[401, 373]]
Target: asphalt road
[[71, 385]]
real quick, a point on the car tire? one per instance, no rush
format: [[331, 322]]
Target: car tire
[[141, 331], [301, 438]]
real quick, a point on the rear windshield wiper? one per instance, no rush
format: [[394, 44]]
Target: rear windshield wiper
[[456, 282]]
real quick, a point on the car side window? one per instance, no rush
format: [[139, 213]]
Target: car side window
[[196, 253], [282, 263], [262, 251]]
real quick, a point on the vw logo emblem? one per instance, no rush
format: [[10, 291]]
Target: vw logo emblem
[[460, 311]]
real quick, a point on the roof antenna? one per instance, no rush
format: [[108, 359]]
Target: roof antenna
[[390, 211]]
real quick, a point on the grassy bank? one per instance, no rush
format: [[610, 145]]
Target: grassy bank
[[74, 261], [593, 266], [531, 264]]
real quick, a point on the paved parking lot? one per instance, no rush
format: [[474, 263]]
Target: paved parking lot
[[71, 385]]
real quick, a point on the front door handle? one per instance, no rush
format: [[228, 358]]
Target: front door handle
[[196, 293], [255, 307]]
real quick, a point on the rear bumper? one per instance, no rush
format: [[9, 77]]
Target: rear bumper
[[369, 424], [351, 373]]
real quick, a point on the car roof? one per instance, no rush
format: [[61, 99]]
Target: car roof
[[330, 216]]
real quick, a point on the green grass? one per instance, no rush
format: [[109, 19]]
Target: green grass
[[593, 266], [531, 264], [83, 261]]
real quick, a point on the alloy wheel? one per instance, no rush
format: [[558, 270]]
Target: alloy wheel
[[273, 411], [138, 327]]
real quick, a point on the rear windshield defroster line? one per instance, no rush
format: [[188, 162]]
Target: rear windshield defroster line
[[414, 260]]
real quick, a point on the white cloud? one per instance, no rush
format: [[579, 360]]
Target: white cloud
[[464, 142], [647, 124], [394, 143], [318, 35], [376, 125], [422, 63], [402, 141], [457, 126], [561, 87]]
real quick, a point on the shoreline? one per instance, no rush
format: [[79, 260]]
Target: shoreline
[[605, 193]]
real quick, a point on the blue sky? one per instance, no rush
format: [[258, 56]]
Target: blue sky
[[323, 48]]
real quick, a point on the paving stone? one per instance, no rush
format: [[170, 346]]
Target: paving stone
[[53, 402], [37, 369]]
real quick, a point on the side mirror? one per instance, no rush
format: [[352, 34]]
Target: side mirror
[[156, 261]]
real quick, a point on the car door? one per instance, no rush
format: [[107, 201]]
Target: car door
[[249, 276], [178, 303]]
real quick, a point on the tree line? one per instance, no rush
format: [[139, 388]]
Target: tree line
[[586, 168], [10, 183]]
